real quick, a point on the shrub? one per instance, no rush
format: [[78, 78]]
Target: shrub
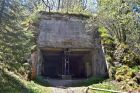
[[123, 73], [126, 76], [125, 56]]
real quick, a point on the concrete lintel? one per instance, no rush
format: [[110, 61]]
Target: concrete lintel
[[61, 49]]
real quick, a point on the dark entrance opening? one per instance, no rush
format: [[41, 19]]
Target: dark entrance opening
[[53, 63]]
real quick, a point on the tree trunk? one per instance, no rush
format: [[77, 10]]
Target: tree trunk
[[58, 4]]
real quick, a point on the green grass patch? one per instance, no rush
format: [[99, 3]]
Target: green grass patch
[[11, 83], [105, 85]]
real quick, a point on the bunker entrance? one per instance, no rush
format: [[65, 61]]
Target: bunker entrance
[[66, 63]]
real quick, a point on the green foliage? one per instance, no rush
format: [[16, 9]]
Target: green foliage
[[106, 37], [120, 20], [119, 30], [124, 55], [136, 68], [123, 73], [10, 83], [112, 71], [126, 75], [15, 39], [129, 59], [120, 51], [17, 35], [108, 43]]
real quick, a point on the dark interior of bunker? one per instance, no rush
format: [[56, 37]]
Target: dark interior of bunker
[[54, 63]]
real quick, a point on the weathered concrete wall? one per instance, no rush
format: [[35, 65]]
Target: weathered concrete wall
[[99, 66], [36, 63], [34, 59], [63, 31]]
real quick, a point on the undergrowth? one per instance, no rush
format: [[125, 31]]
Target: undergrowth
[[11, 83]]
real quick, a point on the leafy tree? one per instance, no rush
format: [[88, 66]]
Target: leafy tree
[[66, 5], [118, 17], [14, 38]]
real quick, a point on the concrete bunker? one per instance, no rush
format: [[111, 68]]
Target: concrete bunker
[[66, 49]]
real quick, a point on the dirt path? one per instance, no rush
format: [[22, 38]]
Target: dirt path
[[58, 86], [70, 90]]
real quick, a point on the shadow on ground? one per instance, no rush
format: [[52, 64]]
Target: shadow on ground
[[41, 81], [89, 81], [11, 84], [68, 83]]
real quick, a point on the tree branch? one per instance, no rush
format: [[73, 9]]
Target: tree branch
[[46, 5]]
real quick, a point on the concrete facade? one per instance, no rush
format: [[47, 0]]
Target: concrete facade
[[57, 32]]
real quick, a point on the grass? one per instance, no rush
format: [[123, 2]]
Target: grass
[[105, 85], [101, 83], [10, 83], [77, 14]]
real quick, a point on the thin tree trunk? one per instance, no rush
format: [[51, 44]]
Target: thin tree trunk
[[67, 6], [58, 4]]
